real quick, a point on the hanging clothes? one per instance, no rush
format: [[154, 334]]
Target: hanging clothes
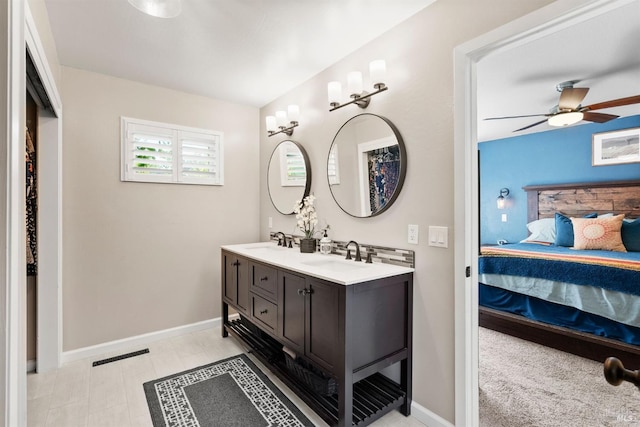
[[32, 204]]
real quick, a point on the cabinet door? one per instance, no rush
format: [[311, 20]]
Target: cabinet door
[[291, 311], [321, 335], [236, 282], [230, 286]]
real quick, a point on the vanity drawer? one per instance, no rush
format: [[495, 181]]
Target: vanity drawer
[[264, 281], [264, 312]]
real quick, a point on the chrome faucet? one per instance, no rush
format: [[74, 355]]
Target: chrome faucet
[[358, 258], [282, 242]]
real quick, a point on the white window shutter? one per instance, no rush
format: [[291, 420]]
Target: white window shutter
[[164, 153], [199, 159], [293, 171]]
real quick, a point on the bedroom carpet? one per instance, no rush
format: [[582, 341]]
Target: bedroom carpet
[[230, 392], [525, 384]]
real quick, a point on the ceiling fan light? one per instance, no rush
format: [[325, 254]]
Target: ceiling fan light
[[565, 119], [158, 8]]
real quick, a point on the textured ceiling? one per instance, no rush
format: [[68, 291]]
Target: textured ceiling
[[244, 51], [602, 52]]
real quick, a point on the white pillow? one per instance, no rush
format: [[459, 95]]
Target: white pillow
[[542, 230]]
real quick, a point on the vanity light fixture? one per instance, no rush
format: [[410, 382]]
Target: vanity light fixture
[[158, 8], [377, 72], [278, 123], [504, 192]]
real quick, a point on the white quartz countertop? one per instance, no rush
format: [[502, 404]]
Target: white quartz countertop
[[333, 268]]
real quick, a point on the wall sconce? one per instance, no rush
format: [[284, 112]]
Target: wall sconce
[[377, 72], [278, 123], [504, 192]]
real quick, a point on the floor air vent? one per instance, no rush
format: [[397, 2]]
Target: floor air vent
[[120, 357]]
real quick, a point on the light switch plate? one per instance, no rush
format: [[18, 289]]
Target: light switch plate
[[412, 234], [439, 236], [270, 222]]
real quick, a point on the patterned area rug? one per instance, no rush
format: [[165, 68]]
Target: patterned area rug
[[230, 392]]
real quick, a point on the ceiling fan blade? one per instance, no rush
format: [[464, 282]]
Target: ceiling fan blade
[[530, 126], [571, 97], [598, 117], [614, 103], [514, 117]]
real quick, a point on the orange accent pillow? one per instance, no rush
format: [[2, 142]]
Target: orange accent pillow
[[598, 233]]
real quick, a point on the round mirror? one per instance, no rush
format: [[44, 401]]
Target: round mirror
[[289, 176], [366, 166]]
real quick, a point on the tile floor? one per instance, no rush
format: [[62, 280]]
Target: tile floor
[[78, 394]]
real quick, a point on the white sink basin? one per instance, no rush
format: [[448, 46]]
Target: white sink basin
[[266, 247], [334, 265]]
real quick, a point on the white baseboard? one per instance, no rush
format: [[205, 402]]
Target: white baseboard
[[427, 417], [127, 344]]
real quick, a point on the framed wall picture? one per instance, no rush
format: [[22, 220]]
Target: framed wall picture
[[616, 147]]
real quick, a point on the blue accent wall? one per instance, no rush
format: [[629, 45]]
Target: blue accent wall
[[557, 156]]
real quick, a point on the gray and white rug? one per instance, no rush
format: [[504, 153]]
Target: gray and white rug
[[230, 392]]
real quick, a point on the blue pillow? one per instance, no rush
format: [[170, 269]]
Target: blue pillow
[[564, 229], [631, 235]]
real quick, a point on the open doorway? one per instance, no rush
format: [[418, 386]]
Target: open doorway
[[550, 19], [31, 208]]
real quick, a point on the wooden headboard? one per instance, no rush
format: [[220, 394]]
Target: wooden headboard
[[543, 201]]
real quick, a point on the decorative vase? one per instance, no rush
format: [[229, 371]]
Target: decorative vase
[[307, 246]]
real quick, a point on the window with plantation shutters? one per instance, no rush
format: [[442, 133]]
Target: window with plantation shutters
[[333, 167], [293, 171], [164, 153]]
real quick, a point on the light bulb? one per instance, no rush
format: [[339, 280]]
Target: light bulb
[[335, 92], [293, 111], [377, 72], [354, 83], [271, 124], [565, 119]]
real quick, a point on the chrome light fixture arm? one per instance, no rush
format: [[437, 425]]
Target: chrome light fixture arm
[[362, 100]]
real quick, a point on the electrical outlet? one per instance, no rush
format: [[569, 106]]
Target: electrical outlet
[[412, 234], [504, 217]]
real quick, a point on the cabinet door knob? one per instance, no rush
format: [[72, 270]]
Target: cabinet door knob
[[264, 279], [237, 263], [263, 311], [304, 292]]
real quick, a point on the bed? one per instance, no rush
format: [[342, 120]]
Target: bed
[[571, 294]]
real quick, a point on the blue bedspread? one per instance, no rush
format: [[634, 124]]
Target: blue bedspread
[[617, 271]]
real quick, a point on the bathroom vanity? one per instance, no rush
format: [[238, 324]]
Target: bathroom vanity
[[324, 325]]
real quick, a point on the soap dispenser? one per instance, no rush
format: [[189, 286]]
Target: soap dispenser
[[325, 244]]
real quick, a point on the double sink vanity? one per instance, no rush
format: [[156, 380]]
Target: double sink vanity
[[324, 325]]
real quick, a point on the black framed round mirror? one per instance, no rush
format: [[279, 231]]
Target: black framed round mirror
[[367, 165], [289, 176]]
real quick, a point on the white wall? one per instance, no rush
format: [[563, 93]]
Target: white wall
[[419, 55], [142, 257]]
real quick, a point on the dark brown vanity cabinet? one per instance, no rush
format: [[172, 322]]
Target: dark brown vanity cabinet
[[308, 318], [346, 333], [235, 286]]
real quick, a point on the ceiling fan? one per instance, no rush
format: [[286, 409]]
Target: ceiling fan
[[569, 111]]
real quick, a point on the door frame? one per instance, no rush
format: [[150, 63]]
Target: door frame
[[49, 226], [547, 20]]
